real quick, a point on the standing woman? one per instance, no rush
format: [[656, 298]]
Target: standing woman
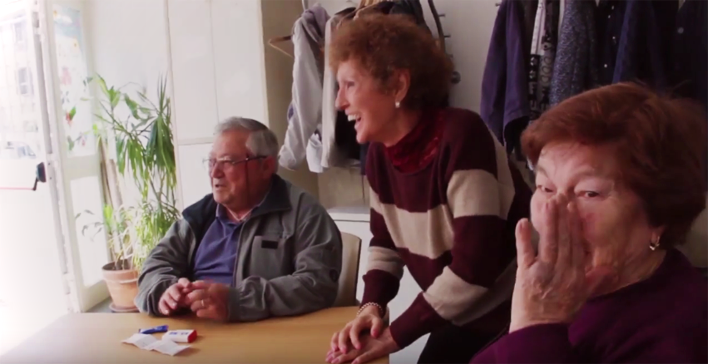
[[444, 198]]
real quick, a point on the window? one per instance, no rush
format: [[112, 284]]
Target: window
[[19, 30], [24, 81]]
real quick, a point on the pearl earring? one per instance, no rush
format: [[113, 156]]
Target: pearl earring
[[654, 244], [398, 104]]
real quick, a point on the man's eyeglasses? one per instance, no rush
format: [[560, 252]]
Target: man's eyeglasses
[[226, 163]]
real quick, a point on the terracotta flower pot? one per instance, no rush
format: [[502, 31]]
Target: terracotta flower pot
[[122, 286]]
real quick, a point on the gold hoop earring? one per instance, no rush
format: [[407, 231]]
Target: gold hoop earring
[[654, 244]]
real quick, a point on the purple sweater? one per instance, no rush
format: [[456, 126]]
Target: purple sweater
[[663, 319]]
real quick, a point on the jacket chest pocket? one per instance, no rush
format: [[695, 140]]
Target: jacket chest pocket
[[272, 256]]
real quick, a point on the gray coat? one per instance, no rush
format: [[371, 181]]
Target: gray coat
[[302, 138], [299, 276]]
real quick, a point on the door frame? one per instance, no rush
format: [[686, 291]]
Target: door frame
[[61, 169]]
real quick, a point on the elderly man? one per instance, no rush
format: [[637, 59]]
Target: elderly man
[[256, 247]]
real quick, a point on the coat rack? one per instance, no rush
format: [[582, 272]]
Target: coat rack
[[456, 76]]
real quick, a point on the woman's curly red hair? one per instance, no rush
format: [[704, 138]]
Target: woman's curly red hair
[[660, 144], [382, 44]]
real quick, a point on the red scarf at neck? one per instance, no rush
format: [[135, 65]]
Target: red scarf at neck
[[419, 146]]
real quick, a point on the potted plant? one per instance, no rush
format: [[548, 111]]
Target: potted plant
[[141, 132]]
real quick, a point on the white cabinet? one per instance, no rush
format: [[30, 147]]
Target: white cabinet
[[355, 220], [217, 64], [193, 176], [194, 85], [221, 68], [238, 59]]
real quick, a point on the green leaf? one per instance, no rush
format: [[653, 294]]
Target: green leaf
[[141, 127], [120, 154], [134, 160], [114, 97], [70, 142], [152, 141], [133, 106], [144, 146], [102, 85], [97, 132], [88, 212], [102, 118]]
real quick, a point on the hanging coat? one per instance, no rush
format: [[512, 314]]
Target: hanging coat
[[505, 99], [302, 138], [574, 68]]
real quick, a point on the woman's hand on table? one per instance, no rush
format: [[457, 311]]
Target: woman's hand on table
[[552, 286], [370, 348], [209, 300], [369, 319]]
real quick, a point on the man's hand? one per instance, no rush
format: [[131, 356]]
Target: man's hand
[[174, 296], [209, 300]]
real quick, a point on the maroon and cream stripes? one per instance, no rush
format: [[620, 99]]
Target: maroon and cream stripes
[[451, 223]]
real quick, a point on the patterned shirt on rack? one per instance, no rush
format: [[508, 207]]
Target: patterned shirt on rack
[[543, 50]]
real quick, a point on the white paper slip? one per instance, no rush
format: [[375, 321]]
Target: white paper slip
[[149, 342], [167, 347], [142, 341]]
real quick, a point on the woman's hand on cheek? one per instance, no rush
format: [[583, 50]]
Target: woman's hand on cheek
[[551, 286]]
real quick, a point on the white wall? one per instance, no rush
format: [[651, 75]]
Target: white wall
[[215, 52], [218, 71], [222, 68], [217, 64], [124, 54]]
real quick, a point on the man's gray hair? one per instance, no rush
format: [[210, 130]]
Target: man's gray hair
[[261, 141]]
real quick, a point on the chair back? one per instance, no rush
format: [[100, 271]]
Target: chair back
[[351, 250]]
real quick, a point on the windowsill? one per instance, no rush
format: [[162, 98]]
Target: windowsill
[[102, 307], [105, 307]]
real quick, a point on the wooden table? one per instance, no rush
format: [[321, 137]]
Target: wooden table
[[96, 338]]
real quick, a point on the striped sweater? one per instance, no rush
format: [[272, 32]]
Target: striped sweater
[[451, 222]]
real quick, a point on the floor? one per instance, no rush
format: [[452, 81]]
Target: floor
[[31, 292]]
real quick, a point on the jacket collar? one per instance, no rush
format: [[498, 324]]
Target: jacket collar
[[277, 199], [221, 212], [201, 214]]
